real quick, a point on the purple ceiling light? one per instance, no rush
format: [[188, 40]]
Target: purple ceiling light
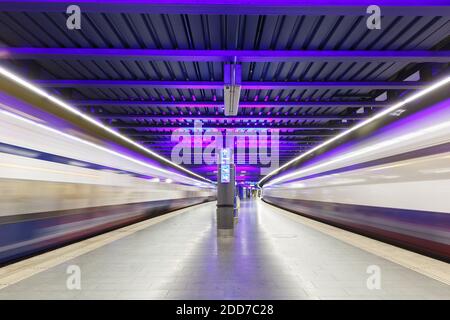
[[252, 104], [177, 55]]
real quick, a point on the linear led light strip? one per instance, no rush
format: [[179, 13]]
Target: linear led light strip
[[396, 106], [64, 105], [371, 148], [166, 172]]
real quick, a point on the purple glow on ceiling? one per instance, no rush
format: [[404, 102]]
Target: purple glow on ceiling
[[414, 122], [205, 55]]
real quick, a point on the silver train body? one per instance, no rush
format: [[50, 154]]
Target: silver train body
[[56, 189], [393, 185]]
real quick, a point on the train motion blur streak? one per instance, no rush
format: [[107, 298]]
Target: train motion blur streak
[[55, 189], [393, 185]]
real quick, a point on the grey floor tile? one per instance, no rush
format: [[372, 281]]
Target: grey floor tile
[[270, 257]]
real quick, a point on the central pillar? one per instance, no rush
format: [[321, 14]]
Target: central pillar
[[226, 190]]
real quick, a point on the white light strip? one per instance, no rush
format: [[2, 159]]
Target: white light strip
[[8, 74], [396, 106], [91, 144], [369, 149]]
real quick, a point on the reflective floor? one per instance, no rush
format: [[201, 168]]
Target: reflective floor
[[270, 257]]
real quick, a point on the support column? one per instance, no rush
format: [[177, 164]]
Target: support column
[[225, 194], [232, 88]]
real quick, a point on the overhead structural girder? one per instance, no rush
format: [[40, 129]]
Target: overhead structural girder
[[242, 104], [250, 85], [239, 56]]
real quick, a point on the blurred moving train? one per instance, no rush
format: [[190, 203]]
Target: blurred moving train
[[393, 185], [56, 188]]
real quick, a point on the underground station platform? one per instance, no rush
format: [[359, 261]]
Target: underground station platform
[[224, 157]]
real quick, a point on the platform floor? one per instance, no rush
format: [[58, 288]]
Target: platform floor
[[270, 257]]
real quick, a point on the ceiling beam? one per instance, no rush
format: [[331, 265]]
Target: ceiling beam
[[371, 85], [284, 142], [222, 117], [418, 56], [235, 7], [235, 126], [168, 84], [242, 104], [250, 85]]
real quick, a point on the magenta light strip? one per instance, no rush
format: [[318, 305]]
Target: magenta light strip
[[251, 85], [222, 118], [234, 7]]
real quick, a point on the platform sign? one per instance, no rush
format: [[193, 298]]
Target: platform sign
[[225, 173], [225, 156]]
